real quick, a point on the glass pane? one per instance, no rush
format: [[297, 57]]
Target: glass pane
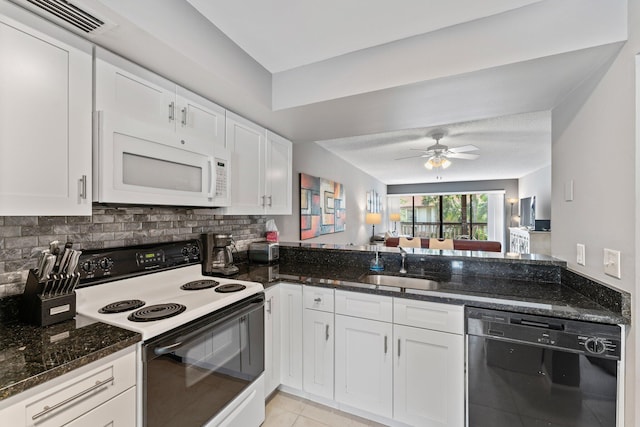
[[156, 173], [452, 216], [480, 203], [427, 214]]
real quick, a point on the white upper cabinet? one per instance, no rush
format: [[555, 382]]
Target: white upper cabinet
[[137, 93], [278, 170], [261, 178], [45, 118]]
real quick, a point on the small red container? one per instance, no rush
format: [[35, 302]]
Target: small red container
[[272, 236]]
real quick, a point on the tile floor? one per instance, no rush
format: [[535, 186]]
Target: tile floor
[[286, 410]]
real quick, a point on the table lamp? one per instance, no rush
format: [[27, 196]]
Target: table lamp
[[373, 219], [394, 217]]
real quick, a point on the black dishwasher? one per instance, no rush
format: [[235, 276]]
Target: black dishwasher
[[527, 370]]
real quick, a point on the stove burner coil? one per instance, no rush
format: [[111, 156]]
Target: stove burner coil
[[120, 306], [230, 287], [156, 312], [199, 284]]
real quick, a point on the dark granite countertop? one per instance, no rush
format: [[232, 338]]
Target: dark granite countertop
[[31, 355], [525, 296]]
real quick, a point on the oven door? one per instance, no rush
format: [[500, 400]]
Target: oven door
[[137, 163], [195, 371]]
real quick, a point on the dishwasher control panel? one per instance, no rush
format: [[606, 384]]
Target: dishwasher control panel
[[590, 338]]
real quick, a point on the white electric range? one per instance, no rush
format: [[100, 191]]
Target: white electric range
[[202, 336]]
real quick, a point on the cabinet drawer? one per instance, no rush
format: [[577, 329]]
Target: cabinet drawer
[[318, 298], [59, 405], [366, 306], [429, 315], [117, 412]]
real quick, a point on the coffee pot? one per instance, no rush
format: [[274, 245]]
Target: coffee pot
[[218, 255]]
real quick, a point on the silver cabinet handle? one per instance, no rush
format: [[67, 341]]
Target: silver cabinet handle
[[83, 187], [48, 409], [270, 201], [184, 117], [326, 332], [264, 201], [269, 305], [317, 300], [172, 109], [385, 344], [398, 347]]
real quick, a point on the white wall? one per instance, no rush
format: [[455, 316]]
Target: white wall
[[594, 140], [538, 184], [314, 160]]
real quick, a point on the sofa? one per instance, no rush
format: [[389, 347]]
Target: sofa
[[458, 244]]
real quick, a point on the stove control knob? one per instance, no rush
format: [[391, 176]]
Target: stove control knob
[[595, 345], [106, 263], [195, 251], [185, 251], [88, 266]]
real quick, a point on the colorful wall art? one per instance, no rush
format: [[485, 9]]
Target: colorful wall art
[[322, 207]]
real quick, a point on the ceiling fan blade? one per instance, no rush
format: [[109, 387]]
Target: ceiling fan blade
[[413, 157], [462, 156], [463, 148]]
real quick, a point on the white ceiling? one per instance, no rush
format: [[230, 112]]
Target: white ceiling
[[285, 34], [509, 147], [358, 76]]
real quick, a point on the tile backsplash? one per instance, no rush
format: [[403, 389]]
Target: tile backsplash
[[22, 237]]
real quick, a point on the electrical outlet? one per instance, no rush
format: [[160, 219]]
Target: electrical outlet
[[612, 262], [580, 259]]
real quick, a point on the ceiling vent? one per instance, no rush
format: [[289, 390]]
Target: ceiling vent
[[68, 15]]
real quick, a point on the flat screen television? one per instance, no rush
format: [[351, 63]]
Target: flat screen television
[[528, 212]]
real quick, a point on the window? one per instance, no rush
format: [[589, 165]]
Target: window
[[451, 216]]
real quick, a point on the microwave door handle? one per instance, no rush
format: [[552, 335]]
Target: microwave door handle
[[211, 177]]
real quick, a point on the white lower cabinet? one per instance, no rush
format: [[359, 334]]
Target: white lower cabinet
[[271, 340], [101, 393], [364, 364], [428, 388], [291, 335], [318, 344], [398, 359], [117, 412]]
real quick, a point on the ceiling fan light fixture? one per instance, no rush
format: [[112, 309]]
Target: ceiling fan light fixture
[[436, 162]]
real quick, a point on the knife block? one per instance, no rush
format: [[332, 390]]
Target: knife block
[[42, 309]]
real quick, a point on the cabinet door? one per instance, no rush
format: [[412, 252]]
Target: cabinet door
[[428, 377], [45, 123], [279, 181], [134, 92], [117, 412], [318, 342], [291, 336], [272, 340], [200, 119], [364, 364], [245, 140]]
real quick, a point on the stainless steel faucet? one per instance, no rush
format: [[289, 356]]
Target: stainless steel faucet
[[403, 253]]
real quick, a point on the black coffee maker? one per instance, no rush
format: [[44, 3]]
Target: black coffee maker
[[218, 256]]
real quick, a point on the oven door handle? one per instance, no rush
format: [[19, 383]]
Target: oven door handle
[[159, 351], [185, 339]]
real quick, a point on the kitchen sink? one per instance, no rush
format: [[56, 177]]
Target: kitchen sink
[[400, 282]]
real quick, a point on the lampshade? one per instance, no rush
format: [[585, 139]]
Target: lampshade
[[437, 162], [394, 217], [373, 218]]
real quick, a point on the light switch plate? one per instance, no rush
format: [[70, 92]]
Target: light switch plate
[[568, 191], [580, 259], [612, 262]]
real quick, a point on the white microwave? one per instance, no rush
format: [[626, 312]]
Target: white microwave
[[136, 163]]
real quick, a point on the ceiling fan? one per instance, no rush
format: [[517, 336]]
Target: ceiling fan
[[438, 155]]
